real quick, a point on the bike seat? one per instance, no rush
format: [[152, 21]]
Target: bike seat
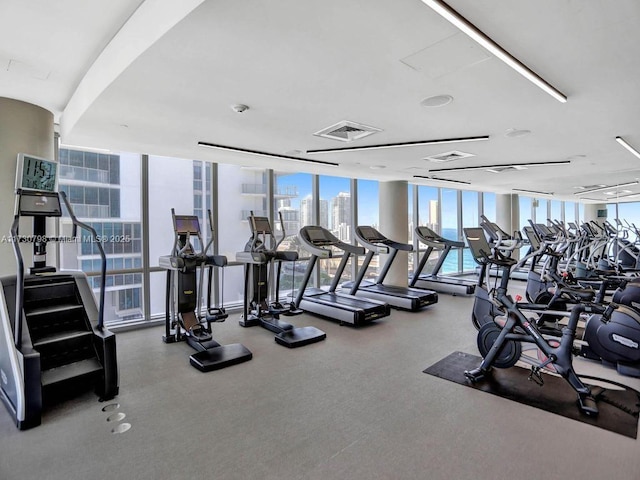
[[216, 260]]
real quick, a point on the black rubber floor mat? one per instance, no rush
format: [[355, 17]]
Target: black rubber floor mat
[[619, 409]]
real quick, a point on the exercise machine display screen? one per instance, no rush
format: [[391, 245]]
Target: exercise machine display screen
[[316, 235], [34, 173], [187, 224], [532, 237], [428, 233], [477, 243], [370, 234], [261, 225]]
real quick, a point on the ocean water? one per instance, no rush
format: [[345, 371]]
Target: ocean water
[[450, 265]]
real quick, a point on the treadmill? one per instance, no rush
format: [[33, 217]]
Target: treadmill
[[342, 307], [433, 281], [404, 298]]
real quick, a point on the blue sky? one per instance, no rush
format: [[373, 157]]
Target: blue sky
[[331, 186]]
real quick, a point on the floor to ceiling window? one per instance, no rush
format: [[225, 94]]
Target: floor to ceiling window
[[335, 215], [526, 206], [428, 216], [470, 218], [540, 211], [369, 214], [293, 200], [450, 228], [104, 191]]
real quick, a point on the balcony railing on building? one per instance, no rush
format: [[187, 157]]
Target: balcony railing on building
[[261, 189]]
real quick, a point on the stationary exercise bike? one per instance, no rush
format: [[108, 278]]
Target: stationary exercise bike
[[184, 320], [501, 346], [262, 305]]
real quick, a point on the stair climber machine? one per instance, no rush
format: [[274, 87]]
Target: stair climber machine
[[184, 320], [53, 343], [404, 298], [262, 306], [612, 338], [434, 281], [342, 307]]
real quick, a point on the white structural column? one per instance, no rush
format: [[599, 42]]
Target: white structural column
[[24, 128], [508, 213], [394, 218], [591, 212]]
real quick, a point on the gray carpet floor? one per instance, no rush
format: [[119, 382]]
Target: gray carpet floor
[[355, 406]]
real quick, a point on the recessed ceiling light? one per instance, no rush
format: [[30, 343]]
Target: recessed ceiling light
[[293, 152], [239, 107], [377, 167], [437, 101], [515, 133]]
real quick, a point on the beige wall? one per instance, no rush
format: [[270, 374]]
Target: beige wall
[[24, 128]]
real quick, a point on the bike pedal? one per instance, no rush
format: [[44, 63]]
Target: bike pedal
[[588, 405]]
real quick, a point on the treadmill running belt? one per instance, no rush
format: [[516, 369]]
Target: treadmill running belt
[[619, 409]]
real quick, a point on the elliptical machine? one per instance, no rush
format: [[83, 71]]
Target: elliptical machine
[[262, 305], [183, 318], [615, 340]]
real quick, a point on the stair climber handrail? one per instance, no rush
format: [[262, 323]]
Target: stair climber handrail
[[17, 331], [103, 257]]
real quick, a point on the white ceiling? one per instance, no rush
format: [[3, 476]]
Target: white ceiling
[[155, 77]]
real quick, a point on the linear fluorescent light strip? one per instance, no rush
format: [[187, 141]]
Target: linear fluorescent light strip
[[624, 143], [478, 36], [535, 192], [514, 165], [264, 154], [600, 189], [628, 195], [402, 144], [80, 147], [436, 179]]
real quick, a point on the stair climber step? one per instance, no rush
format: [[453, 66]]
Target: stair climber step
[[54, 376], [64, 348], [51, 292], [48, 320]]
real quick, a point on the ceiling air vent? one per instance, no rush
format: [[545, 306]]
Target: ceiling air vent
[[506, 168], [347, 131], [449, 156]]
